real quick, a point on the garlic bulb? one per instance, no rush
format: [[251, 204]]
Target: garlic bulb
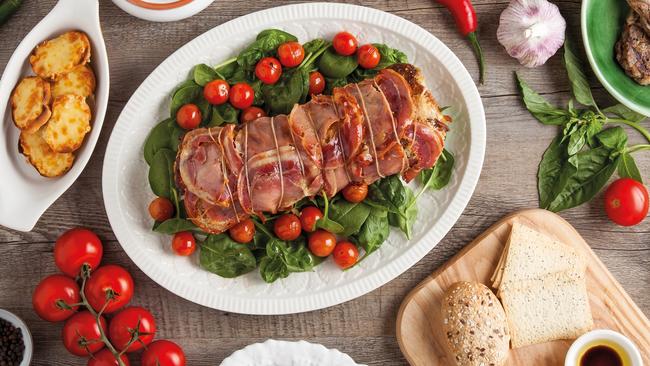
[[531, 31]]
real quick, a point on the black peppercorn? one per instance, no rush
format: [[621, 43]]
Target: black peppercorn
[[12, 346]]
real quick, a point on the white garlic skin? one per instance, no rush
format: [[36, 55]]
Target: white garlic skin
[[531, 31]]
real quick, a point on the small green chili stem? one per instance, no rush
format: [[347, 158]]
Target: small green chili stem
[[473, 40], [634, 125]]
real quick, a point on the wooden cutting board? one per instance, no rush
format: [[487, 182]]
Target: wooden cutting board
[[419, 331]]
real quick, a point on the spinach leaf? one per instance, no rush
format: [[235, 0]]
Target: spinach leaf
[[624, 112], [288, 91], [330, 84], [227, 69], [398, 199], [389, 57], [326, 222], [579, 83], [273, 268], [374, 231], [184, 95], [225, 257], [350, 215], [405, 219], [541, 109], [336, 66], [627, 168], [224, 113], [165, 135], [205, 108], [283, 258], [438, 176], [549, 170], [204, 74], [161, 177], [313, 50], [174, 225], [266, 42]]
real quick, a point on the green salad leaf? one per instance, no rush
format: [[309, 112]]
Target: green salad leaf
[[266, 43], [174, 225], [438, 176], [579, 83], [539, 107], [204, 74], [374, 231], [336, 66], [165, 135], [223, 256]]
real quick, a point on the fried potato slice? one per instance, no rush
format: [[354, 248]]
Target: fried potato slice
[[47, 162], [60, 55], [79, 81], [69, 124], [30, 102]]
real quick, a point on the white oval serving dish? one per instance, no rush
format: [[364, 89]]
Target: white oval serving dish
[[24, 194], [283, 353], [127, 193]]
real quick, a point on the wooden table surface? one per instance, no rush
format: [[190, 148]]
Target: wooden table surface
[[364, 328]]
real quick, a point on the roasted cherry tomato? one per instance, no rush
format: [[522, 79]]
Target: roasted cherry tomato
[[129, 323], [345, 254], [344, 43], [241, 96], [216, 92], [188, 116], [355, 192], [161, 209], [368, 56], [626, 202], [251, 114], [106, 358], [321, 243], [291, 54], [76, 247], [243, 232], [52, 295], [316, 83], [163, 353], [287, 227], [268, 70], [112, 284], [308, 218], [183, 243], [81, 334]]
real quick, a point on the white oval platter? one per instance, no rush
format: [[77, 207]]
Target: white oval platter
[[127, 193], [284, 353]]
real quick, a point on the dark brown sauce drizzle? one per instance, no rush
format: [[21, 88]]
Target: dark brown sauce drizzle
[[601, 356]]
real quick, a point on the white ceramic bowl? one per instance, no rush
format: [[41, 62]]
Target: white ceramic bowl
[[162, 10], [283, 353], [24, 194], [602, 335], [27, 336]]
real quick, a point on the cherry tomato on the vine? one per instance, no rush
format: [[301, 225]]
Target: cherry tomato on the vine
[[124, 326], [243, 232], [268, 70], [368, 56], [188, 116], [291, 54], [308, 217], [216, 92], [163, 353], [112, 284], [344, 43], [287, 227], [321, 243], [51, 291], [345, 254], [161, 209], [241, 96], [355, 192], [183, 243], [105, 358], [626, 202], [81, 334], [251, 114], [316, 83], [76, 247]]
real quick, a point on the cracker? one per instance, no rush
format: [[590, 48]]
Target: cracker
[[30, 102], [60, 55], [69, 124], [78, 81], [39, 154]]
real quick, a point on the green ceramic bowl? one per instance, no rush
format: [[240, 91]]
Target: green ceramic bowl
[[602, 23]]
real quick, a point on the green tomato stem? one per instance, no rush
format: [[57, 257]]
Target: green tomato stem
[[473, 40], [634, 125]]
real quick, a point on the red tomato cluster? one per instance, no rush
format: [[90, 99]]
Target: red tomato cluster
[[106, 291], [346, 44]]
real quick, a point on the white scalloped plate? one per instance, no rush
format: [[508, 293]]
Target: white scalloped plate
[[127, 193], [283, 353]]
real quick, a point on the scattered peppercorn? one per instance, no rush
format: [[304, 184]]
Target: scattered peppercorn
[[12, 346]]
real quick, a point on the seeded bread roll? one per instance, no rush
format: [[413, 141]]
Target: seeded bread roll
[[475, 325]]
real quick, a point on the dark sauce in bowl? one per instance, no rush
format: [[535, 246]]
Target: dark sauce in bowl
[[601, 355]]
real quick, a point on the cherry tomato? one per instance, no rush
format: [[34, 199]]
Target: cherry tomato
[[183, 243], [127, 323], [106, 281], [321, 243], [368, 56], [626, 202], [242, 95], [287, 227], [268, 70], [106, 358], [163, 353], [188, 116], [161, 209], [216, 92], [355, 193], [345, 254], [316, 83], [51, 290], [81, 335], [344, 43], [308, 218], [251, 114], [243, 232], [291, 54], [76, 247]]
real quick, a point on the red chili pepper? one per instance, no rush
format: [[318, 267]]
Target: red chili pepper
[[466, 21]]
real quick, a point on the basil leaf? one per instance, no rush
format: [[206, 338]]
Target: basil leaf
[[204, 74], [350, 215], [624, 112], [549, 170], [187, 94], [627, 168], [438, 176], [225, 257], [161, 175], [266, 42], [174, 225], [287, 92], [579, 83], [613, 138], [541, 109], [374, 231], [336, 66], [165, 135]]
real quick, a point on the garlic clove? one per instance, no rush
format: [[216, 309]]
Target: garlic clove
[[531, 31]]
